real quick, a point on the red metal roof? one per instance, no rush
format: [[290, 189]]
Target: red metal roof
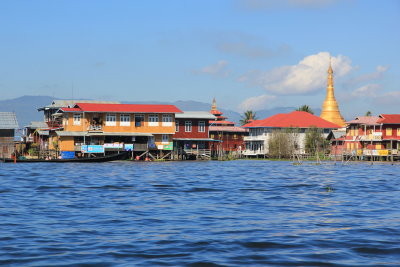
[[299, 119], [215, 122], [389, 119], [127, 108], [216, 112], [71, 109], [368, 120], [227, 129]]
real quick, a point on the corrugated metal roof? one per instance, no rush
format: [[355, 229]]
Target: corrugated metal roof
[[337, 133], [195, 115], [66, 103], [8, 120], [368, 120], [227, 129], [389, 119], [37, 124], [71, 133], [71, 109], [193, 139], [126, 134], [127, 108], [214, 122], [216, 112], [43, 132], [299, 119]]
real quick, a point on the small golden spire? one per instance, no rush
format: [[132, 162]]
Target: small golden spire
[[330, 71], [214, 104], [330, 108]]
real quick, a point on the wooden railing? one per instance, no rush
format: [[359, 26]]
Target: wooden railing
[[198, 152], [95, 127]]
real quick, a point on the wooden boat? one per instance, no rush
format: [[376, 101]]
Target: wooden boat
[[119, 156]]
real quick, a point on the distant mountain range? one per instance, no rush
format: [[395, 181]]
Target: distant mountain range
[[26, 107]]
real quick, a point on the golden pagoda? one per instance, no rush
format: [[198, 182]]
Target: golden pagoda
[[330, 108]]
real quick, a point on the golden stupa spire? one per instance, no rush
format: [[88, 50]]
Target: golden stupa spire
[[214, 104], [330, 108]]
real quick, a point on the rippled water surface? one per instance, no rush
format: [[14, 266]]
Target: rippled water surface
[[233, 213]]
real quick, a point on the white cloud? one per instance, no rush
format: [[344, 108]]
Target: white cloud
[[306, 77], [217, 69], [369, 90], [256, 102]]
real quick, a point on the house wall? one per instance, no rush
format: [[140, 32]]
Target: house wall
[[160, 129], [356, 133], [391, 131], [231, 141], [145, 128], [66, 143], [195, 133], [6, 145], [265, 134]]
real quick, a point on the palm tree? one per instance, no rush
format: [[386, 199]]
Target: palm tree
[[368, 114], [247, 116], [305, 108]]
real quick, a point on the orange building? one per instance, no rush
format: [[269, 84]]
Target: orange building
[[106, 128]]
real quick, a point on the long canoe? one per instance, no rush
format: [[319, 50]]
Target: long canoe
[[120, 156]]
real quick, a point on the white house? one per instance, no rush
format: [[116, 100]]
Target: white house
[[260, 131]]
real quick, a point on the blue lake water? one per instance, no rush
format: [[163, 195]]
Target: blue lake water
[[232, 213]]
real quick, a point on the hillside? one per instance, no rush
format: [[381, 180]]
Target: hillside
[[26, 108]]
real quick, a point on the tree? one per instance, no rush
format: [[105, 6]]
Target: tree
[[247, 117], [305, 108], [314, 140], [283, 143], [368, 113]]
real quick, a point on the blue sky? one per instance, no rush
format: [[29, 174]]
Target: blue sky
[[249, 54]]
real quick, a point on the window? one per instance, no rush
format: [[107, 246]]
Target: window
[[202, 126], [166, 120], [65, 120], [153, 120], [111, 119], [398, 131], [212, 136], [77, 119], [176, 126], [188, 126], [125, 120], [139, 119], [389, 131], [165, 139]]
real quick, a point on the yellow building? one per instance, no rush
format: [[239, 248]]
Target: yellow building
[[330, 107], [115, 127]]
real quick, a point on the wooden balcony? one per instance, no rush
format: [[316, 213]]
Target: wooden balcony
[[95, 127]]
